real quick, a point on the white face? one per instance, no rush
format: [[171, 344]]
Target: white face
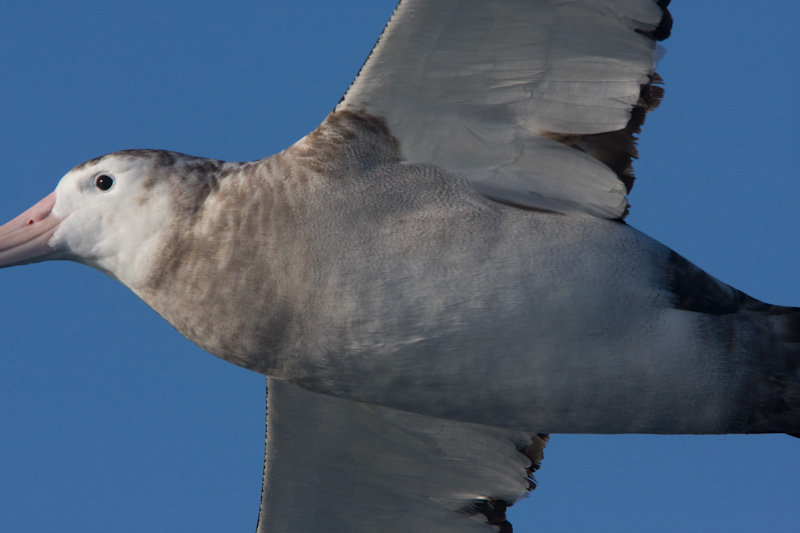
[[112, 211]]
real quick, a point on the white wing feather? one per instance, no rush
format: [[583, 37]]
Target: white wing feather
[[488, 88], [334, 465]]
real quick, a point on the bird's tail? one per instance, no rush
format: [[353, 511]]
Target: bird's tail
[[777, 404], [762, 342]]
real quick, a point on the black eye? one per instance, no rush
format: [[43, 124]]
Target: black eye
[[104, 182]]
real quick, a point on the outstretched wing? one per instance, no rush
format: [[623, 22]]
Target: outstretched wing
[[536, 103], [336, 465]]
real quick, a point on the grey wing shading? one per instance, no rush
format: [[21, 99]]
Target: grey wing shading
[[536, 103], [335, 465]]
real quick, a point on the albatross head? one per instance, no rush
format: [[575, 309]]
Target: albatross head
[[106, 213]]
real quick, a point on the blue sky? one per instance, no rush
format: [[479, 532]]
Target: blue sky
[[110, 420]]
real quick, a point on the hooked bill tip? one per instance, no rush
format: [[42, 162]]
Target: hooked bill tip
[[25, 238]]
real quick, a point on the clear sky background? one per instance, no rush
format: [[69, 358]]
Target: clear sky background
[[111, 421]]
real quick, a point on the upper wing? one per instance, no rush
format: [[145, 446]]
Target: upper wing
[[336, 465], [536, 103]]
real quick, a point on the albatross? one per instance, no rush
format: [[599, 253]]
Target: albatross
[[100, 185]]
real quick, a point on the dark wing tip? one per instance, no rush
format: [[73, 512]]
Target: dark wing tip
[[664, 28], [495, 509]]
